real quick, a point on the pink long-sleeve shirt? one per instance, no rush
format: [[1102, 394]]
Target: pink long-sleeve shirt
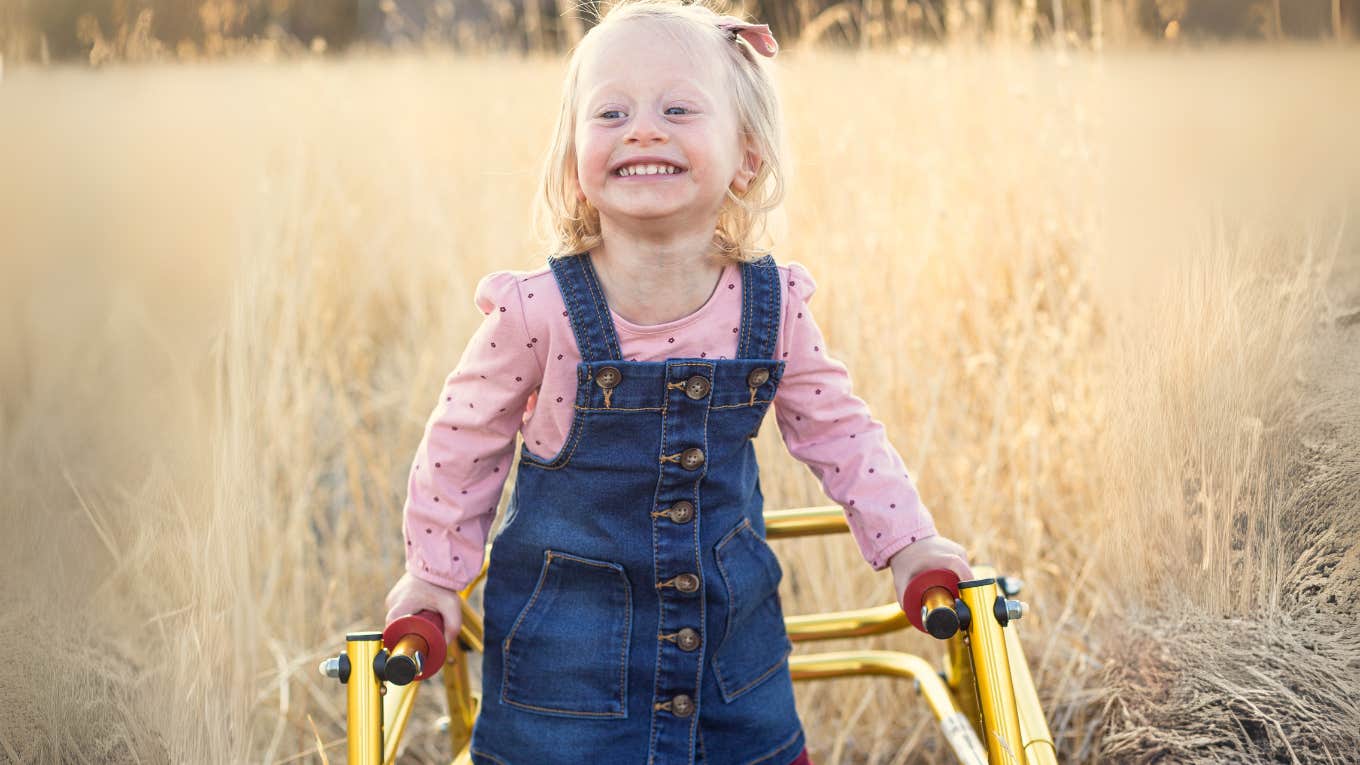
[[518, 376]]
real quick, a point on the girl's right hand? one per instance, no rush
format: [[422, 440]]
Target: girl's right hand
[[411, 594]]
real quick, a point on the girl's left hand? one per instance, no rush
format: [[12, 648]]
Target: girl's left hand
[[924, 554]]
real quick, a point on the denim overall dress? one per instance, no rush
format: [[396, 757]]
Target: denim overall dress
[[631, 604]]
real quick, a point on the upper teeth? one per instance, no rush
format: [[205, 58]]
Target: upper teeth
[[648, 170]]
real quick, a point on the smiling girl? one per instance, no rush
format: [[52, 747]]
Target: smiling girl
[[631, 603]]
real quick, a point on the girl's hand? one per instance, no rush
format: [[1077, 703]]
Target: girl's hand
[[411, 594], [924, 554]]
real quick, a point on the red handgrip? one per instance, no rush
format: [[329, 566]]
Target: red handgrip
[[429, 626], [916, 592]]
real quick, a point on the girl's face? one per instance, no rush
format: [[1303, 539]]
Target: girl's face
[[645, 101]]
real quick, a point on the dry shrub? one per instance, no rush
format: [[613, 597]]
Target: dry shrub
[[1265, 668], [1198, 689]]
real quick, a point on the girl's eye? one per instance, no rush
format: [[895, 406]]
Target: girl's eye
[[681, 108], [605, 114]]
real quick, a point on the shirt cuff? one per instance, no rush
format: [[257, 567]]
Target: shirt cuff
[[883, 555], [420, 571]]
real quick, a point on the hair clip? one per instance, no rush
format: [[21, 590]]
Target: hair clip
[[758, 35]]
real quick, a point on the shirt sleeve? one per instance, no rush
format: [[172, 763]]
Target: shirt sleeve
[[464, 456], [828, 428]]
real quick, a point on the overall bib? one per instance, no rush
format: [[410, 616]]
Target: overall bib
[[631, 604]]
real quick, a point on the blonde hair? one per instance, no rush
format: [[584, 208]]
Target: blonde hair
[[571, 225]]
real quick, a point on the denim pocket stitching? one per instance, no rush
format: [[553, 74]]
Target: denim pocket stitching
[[548, 556], [732, 695]]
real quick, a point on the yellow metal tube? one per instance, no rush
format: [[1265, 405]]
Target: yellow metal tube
[[960, 735], [996, 696], [471, 631], [363, 699], [937, 597], [804, 521], [840, 624], [958, 673], [1037, 740], [457, 687], [397, 705], [462, 705]]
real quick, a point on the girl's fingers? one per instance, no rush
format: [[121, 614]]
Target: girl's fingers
[[960, 566], [452, 621], [954, 563], [956, 548]]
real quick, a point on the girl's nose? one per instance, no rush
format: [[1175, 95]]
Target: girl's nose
[[644, 129]]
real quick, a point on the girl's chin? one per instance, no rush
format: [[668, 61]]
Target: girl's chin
[[650, 217]]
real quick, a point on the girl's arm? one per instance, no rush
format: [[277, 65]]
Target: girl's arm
[[830, 429], [464, 456]]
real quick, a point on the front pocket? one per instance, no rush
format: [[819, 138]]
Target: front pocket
[[567, 652], [754, 643]]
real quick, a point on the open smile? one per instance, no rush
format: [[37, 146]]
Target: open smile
[[643, 171], [657, 178]]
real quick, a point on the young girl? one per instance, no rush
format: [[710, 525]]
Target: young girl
[[631, 605]]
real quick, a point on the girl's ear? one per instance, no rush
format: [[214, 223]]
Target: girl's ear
[[749, 167]]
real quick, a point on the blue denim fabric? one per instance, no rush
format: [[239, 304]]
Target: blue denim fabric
[[583, 612]]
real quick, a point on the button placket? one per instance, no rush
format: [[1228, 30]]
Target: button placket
[[689, 389]]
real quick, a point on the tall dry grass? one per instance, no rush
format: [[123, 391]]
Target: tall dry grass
[[1077, 291]]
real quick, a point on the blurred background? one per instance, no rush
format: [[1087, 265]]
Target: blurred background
[[99, 30], [1094, 265]]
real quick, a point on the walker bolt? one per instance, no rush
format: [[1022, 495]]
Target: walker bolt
[[337, 668], [1006, 610]]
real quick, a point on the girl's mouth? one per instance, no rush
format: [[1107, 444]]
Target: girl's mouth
[[648, 171]]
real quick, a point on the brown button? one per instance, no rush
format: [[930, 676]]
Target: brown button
[[697, 387], [608, 377], [692, 459], [681, 512], [687, 639], [686, 582], [758, 377], [682, 706]]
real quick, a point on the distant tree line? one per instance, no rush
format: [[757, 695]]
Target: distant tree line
[[44, 30]]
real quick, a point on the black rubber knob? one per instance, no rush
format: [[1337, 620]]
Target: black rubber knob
[[942, 623], [401, 670]]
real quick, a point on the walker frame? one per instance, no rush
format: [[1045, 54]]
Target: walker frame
[[983, 693]]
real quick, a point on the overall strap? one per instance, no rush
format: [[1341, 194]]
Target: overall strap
[[591, 321], [760, 314]]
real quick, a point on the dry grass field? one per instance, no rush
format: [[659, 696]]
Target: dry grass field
[[1108, 308]]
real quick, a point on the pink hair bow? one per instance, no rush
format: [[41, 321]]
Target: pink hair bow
[[758, 35]]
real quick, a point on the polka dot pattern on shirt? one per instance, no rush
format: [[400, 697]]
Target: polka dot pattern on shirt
[[516, 319]]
